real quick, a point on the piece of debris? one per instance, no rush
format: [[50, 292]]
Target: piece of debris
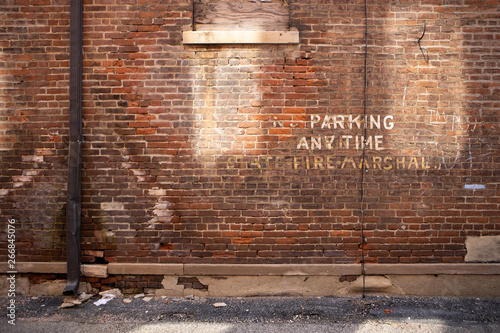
[[72, 300], [69, 302], [139, 296], [127, 300], [189, 297], [220, 305], [105, 299], [147, 299], [83, 297], [67, 305], [108, 295], [115, 292]]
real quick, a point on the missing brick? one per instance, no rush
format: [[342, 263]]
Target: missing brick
[[348, 278], [191, 283]]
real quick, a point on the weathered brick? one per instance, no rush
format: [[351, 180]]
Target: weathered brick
[[253, 152]]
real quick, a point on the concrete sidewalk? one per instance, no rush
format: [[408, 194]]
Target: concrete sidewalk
[[257, 314]]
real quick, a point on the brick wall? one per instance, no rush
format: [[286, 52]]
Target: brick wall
[[253, 154], [34, 76]]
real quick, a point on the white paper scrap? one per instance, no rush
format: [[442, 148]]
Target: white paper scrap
[[105, 299]]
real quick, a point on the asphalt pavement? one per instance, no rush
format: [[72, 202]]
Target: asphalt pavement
[[252, 314]]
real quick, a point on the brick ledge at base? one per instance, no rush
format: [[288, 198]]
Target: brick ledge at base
[[102, 271], [250, 280]]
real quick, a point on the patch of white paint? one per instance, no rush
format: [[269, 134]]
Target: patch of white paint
[[482, 249], [474, 186], [112, 206], [157, 192], [162, 209]]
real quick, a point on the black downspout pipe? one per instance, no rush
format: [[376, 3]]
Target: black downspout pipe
[[74, 184]]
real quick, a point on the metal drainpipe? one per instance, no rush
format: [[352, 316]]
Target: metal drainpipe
[[74, 184]]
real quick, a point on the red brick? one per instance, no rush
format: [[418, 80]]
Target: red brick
[[200, 145]]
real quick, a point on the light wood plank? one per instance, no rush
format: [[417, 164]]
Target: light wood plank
[[240, 37]]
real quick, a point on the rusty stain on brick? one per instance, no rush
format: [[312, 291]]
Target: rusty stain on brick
[[166, 247]]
